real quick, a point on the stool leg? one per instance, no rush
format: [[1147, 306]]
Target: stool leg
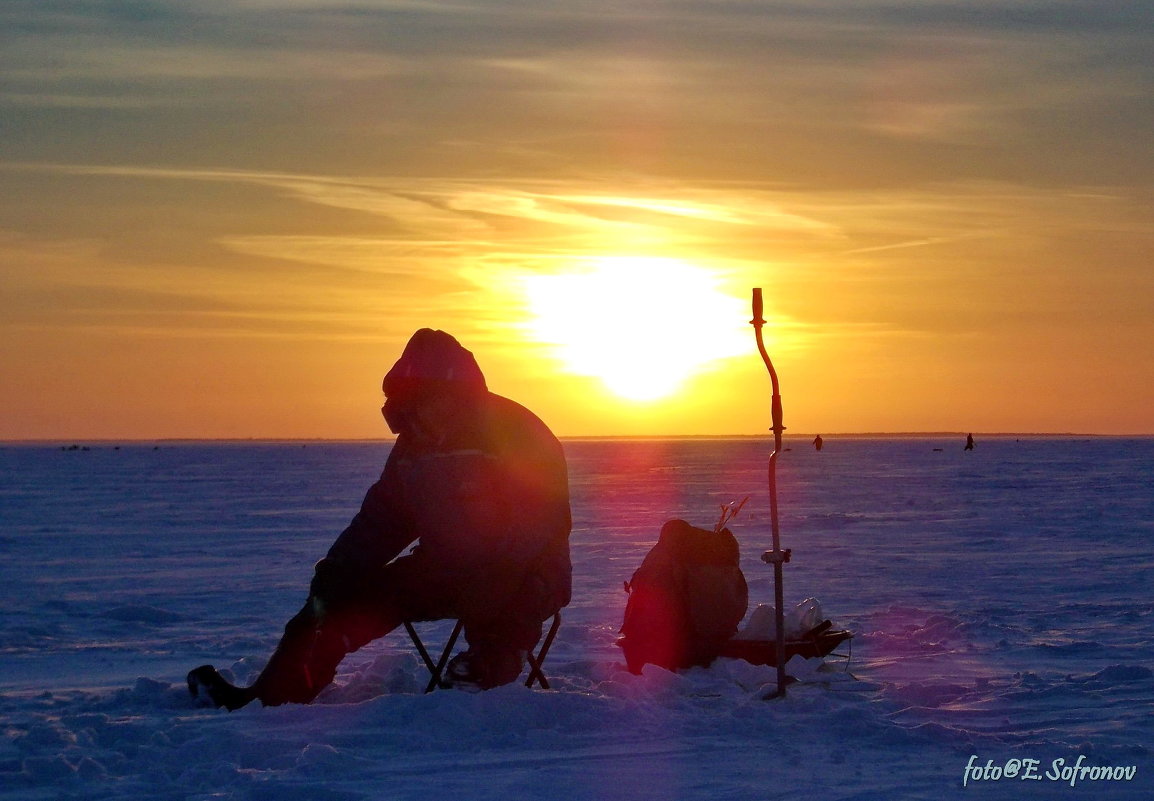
[[420, 646], [535, 674], [538, 659], [439, 668]]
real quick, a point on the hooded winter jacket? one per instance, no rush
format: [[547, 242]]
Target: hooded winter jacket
[[488, 506]]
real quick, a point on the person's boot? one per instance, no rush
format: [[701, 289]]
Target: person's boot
[[302, 665], [483, 669], [208, 688]]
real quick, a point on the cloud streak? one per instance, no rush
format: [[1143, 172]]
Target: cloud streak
[[655, 78]]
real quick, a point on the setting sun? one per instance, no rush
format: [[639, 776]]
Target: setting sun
[[641, 325]]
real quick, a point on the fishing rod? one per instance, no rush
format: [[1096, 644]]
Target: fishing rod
[[776, 557]]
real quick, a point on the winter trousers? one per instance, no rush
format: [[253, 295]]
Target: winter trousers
[[317, 638]]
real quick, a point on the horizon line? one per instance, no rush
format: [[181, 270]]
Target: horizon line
[[580, 437]]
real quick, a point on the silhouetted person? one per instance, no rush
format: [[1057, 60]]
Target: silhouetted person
[[480, 483], [969, 442], [818, 442]]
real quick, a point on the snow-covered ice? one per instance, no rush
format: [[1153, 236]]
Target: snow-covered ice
[[1001, 602]]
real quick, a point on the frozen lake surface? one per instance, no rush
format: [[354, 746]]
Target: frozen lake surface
[[1001, 602]]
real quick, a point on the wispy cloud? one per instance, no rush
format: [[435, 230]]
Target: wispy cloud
[[463, 211], [670, 76]]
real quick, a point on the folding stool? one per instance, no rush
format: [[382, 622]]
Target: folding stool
[[437, 668]]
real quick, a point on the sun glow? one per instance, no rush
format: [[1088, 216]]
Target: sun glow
[[641, 325]]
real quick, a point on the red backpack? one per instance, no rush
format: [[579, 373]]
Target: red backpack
[[685, 601]]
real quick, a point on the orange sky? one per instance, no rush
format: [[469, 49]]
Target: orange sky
[[225, 222]]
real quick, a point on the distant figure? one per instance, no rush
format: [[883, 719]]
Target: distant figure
[[480, 483], [969, 442], [818, 442]]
